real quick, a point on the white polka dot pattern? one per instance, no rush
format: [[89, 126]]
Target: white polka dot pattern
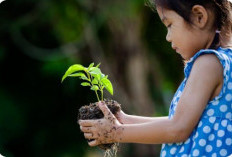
[[210, 112], [216, 102], [212, 119], [229, 115], [216, 126], [213, 135], [214, 155], [223, 152], [206, 129], [173, 150], [228, 141], [229, 128], [224, 123], [228, 97], [221, 133], [229, 86], [163, 154], [196, 152], [208, 148], [202, 142], [182, 149], [223, 108], [219, 143]]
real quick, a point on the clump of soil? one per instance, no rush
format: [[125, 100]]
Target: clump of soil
[[92, 111]]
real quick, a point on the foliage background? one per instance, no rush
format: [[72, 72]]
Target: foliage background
[[40, 39]]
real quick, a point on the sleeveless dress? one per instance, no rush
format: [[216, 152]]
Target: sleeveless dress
[[212, 136]]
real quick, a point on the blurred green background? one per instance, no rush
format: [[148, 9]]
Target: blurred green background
[[40, 39]]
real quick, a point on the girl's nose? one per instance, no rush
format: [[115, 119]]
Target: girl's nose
[[168, 38]]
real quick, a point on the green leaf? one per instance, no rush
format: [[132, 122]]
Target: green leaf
[[95, 81], [72, 69], [108, 85], [102, 76], [94, 88], [95, 70], [80, 74], [97, 76], [90, 66], [98, 65], [85, 84], [84, 78]]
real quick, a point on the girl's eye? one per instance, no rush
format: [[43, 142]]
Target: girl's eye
[[168, 26]]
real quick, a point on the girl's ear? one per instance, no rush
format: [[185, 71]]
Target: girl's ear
[[199, 16]]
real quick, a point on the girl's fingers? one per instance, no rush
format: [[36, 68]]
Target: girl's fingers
[[87, 129], [89, 136], [107, 113], [93, 143], [86, 123]]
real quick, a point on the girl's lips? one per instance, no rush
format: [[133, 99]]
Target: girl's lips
[[175, 48]]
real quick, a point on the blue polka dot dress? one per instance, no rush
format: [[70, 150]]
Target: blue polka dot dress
[[212, 136]]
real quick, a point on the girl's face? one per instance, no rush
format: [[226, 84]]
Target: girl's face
[[185, 39]]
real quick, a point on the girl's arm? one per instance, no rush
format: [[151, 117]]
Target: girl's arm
[[204, 81], [133, 119]]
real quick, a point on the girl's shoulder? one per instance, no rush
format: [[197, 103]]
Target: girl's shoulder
[[224, 55], [220, 58]]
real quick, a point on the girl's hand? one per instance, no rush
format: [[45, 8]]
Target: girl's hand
[[121, 117], [102, 131]]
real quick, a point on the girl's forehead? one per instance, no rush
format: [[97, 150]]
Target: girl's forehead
[[161, 13], [165, 14]]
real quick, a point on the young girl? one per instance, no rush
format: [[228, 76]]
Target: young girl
[[200, 116]]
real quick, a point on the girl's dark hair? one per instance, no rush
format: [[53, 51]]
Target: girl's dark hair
[[221, 8]]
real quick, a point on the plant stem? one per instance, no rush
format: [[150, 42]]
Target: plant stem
[[97, 96], [90, 78], [101, 89], [102, 95]]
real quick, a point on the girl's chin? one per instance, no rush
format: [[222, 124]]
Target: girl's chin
[[178, 51], [183, 56]]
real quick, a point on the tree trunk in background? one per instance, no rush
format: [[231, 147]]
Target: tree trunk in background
[[136, 73], [133, 62]]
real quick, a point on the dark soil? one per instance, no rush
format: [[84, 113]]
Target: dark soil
[[92, 111]]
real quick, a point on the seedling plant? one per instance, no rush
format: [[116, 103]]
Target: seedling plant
[[92, 77], [97, 81]]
